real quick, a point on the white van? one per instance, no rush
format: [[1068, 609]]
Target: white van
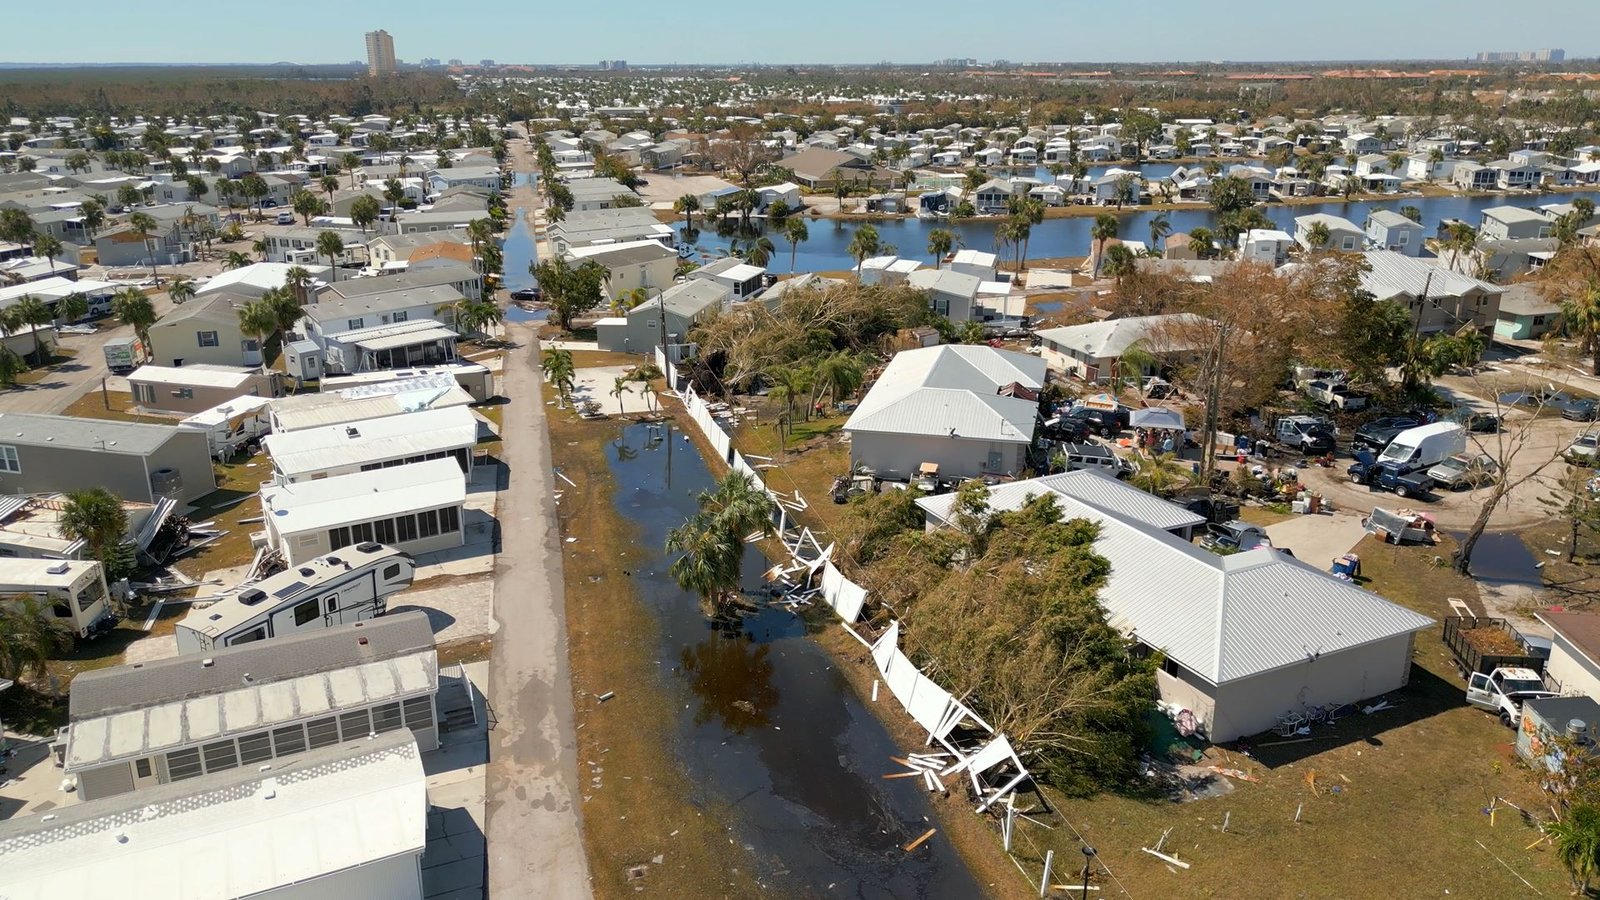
[[1425, 445]]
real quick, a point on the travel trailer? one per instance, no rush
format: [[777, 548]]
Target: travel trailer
[[348, 586], [73, 589]]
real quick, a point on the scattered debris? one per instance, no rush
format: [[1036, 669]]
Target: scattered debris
[[606, 696], [919, 841]]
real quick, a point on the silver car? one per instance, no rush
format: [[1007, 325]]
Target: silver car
[[1465, 470], [1586, 447]]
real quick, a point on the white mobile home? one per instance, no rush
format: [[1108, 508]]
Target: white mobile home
[[136, 726], [367, 401], [316, 453], [415, 508], [192, 389], [74, 590], [473, 378], [348, 586], [346, 820]]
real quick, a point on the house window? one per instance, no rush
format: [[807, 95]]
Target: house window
[[383, 532], [401, 316], [220, 755], [1349, 243], [322, 732], [356, 323], [355, 725], [254, 748], [419, 713], [338, 537], [291, 739], [145, 394], [449, 521], [141, 768], [428, 523], [8, 459], [184, 393], [1402, 238], [407, 527], [206, 338], [1538, 320], [182, 764]]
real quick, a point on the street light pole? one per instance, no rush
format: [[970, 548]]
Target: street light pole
[[1088, 856]]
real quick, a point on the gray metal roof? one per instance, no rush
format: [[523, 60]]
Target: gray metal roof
[[432, 276], [119, 688], [333, 309], [136, 710], [1086, 486], [687, 298], [37, 430], [1391, 274]]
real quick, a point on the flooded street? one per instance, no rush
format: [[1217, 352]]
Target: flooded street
[[766, 725], [1501, 558]]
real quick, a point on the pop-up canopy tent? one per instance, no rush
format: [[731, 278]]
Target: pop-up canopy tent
[[1157, 418]]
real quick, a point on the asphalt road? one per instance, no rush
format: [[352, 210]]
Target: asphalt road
[[534, 827], [72, 380]]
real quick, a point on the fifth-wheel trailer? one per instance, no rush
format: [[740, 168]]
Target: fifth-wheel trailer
[[349, 585]]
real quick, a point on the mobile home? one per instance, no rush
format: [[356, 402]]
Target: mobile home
[[416, 508], [192, 389], [353, 584], [232, 424], [317, 453], [74, 590], [475, 379]]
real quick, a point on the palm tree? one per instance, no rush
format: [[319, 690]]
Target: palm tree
[[1580, 317], [330, 184], [865, 243], [475, 316], [645, 375], [96, 517], [181, 290], [1160, 473], [1412, 213], [711, 542], [558, 370], [235, 260], [72, 307], [796, 233], [1104, 229], [1576, 840], [329, 244], [1120, 262], [306, 204], [1200, 239], [619, 388], [687, 205], [31, 313], [134, 309], [30, 635], [259, 320], [299, 280], [1160, 227], [48, 246], [1318, 236], [840, 374], [1460, 236], [756, 251], [143, 225], [11, 365], [940, 240], [789, 383]]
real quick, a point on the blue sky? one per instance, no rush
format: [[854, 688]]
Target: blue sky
[[719, 31]]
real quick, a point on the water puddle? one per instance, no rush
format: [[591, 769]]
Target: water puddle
[[767, 726], [1502, 558]]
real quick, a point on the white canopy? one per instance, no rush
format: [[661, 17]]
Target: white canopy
[[1156, 417]]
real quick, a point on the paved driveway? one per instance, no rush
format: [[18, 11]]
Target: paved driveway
[[1317, 540]]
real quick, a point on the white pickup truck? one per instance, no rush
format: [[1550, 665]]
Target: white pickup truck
[[1504, 690]]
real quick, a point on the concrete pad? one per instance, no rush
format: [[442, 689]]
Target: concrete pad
[[1049, 279], [597, 383], [569, 345], [150, 649], [32, 783], [456, 611], [1317, 540]]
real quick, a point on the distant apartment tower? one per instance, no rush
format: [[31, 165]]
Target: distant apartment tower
[[455, 62], [380, 53], [613, 65], [1547, 55], [429, 62], [486, 63]]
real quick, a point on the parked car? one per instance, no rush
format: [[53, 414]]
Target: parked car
[[1214, 508], [1586, 447], [1536, 397], [285, 218], [1474, 421], [1504, 690], [1067, 428], [1234, 535], [526, 295], [1376, 434], [1465, 470], [1104, 422], [1306, 434], [1581, 410], [1335, 395], [1094, 456]]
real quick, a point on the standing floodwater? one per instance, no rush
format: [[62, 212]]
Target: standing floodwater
[[766, 726]]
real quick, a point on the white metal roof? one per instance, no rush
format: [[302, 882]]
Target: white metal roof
[[1389, 274], [1230, 617], [203, 376], [363, 496], [404, 339], [362, 403], [1086, 486], [18, 574], [1110, 338], [952, 391], [242, 832], [332, 446], [226, 412]]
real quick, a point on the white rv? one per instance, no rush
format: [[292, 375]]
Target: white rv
[[347, 586], [73, 589], [232, 424]]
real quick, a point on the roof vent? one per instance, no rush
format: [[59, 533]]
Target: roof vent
[[352, 431], [369, 547], [252, 596], [207, 663], [307, 571], [247, 679], [59, 568], [335, 561]]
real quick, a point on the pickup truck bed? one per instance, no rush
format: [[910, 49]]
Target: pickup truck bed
[[1481, 645]]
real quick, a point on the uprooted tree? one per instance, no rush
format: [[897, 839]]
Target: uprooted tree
[[1002, 610]]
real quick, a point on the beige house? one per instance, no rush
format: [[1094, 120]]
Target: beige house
[[1437, 298], [1574, 666], [205, 330], [197, 388]]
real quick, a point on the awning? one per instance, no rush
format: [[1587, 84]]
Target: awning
[[1156, 417]]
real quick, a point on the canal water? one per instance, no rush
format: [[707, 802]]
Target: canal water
[[518, 252], [767, 726], [827, 247]]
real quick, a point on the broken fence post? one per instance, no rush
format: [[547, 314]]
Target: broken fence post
[[1044, 881], [1225, 817]]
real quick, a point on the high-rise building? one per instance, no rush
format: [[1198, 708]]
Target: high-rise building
[[486, 63], [429, 62], [1546, 55], [380, 53], [455, 62], [613, 65]]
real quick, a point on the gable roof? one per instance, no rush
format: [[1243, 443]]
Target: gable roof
[[1227, 618], [1390, 274], [1112, 337], [1388, 218], [951, 391], [816, 162], [1086, 486]]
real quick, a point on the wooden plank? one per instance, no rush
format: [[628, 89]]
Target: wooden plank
[[1171, 859], [903, 775], [918, 842]]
